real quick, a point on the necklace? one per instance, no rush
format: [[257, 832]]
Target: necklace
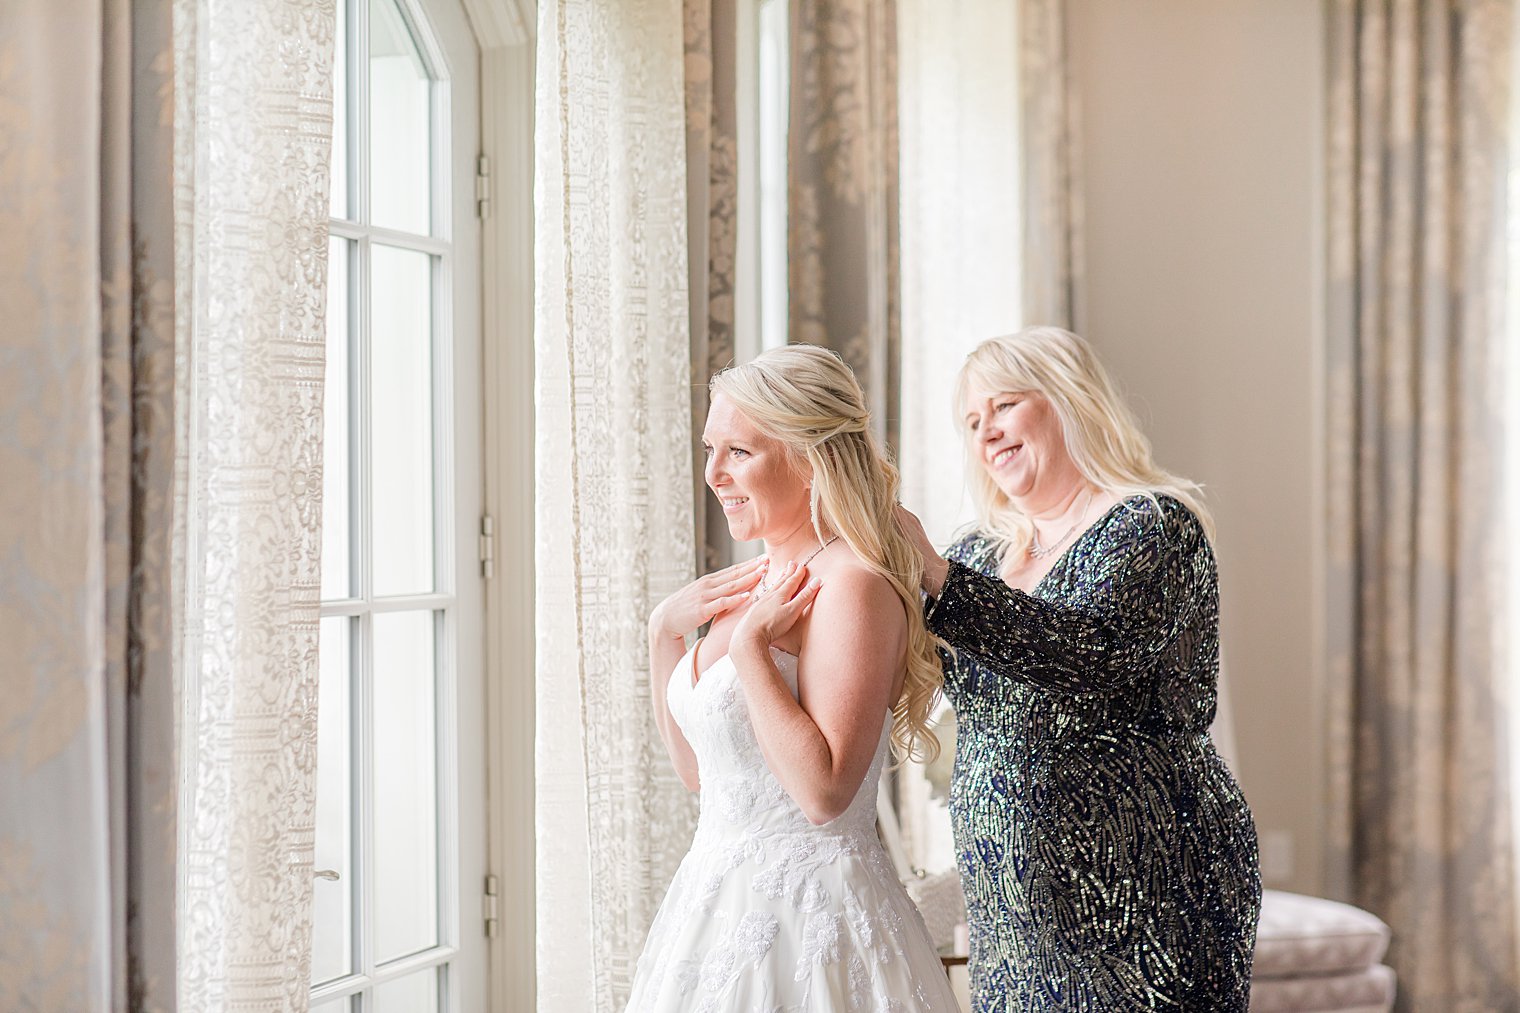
[[763, 588], [1037, 551]]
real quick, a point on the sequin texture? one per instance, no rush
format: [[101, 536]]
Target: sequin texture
[[1108, 856]]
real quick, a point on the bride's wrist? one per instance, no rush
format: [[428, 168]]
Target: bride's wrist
[[748, 645]]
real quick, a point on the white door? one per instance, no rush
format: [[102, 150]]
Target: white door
[[400, 836]]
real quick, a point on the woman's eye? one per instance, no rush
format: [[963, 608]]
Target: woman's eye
[[740, 452], [707, 450]]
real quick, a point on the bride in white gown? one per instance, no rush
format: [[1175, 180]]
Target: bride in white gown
[[784, 714]]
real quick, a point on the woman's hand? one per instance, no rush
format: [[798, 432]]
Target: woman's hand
[[775, 611], [935, 567], [718, 592]]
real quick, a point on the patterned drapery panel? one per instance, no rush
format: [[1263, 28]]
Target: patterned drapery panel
[[254, 208], [87, 444], [842, 192], [1419, 712], [164, 181], [712, 210], [614, 506], [1052, 191]]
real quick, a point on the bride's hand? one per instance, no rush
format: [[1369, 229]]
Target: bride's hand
[[706, 597], [777, 609]]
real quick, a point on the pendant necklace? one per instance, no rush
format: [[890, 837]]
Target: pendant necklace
[[763, 588]]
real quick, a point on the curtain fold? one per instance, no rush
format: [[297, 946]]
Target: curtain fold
[[844, 289], [614, 508], [88, 824], [712, 211], [1419, 708], [1048, 171], [255, 207]]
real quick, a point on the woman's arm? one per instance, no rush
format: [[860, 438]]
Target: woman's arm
[[1148, 579], [669, 623], [820, 747]]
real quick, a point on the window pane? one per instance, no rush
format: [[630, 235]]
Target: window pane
[[401, 419], [416, 993], [336, 558], [405, 778], [343, 1005], [332, 900], [338, 203], [398, 123]]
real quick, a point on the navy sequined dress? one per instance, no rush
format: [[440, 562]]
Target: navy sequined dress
[[1108, 857]]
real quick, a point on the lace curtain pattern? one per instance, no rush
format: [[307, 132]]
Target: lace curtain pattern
[[842, 192], [256, 216], [87, 829], [1419, 721], [614, 514], [164, 181]]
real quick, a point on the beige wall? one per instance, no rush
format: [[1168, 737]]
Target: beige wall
[[1201, 126]]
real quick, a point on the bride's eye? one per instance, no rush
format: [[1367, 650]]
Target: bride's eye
[[740, 452]]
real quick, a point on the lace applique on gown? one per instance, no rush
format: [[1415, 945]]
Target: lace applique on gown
[[768, 912]]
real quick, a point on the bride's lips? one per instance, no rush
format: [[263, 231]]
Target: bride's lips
[[733, 504]]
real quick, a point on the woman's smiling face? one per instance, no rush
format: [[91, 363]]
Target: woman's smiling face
[[762, 492], [1018, 438]]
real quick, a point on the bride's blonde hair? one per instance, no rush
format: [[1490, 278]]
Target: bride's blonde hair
[[807, 399], [1101, 433]]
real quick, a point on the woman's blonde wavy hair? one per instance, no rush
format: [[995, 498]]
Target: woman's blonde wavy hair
[[1102, 434], [806, 398]]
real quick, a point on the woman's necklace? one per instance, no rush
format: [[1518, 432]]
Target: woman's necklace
[[1037, 551], [763, 588]]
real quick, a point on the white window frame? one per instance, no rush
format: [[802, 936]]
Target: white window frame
[[505, 30], [454, 908]]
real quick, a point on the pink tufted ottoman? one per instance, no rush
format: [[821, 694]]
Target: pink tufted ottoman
[[1319, 955]]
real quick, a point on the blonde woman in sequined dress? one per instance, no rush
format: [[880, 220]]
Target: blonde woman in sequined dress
[[1108, 857]]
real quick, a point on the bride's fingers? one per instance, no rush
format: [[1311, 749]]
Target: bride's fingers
[[729, 603], [743, 582]]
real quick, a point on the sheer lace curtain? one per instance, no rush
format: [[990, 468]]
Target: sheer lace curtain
[[163, 190], [614, 507], [1420, 705], [255, 101]]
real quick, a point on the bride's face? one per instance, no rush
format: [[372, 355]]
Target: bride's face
[[762, 494]]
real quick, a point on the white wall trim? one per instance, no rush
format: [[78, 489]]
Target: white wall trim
[[501, 23], [507, 317]]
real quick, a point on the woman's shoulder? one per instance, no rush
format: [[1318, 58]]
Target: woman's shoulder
[[1153, 517], [974, 549]]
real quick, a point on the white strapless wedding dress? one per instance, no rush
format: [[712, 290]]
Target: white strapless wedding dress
[[767, 912]]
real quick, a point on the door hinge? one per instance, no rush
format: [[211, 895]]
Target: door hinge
[[482, 188], [487, 547], [488, 906]]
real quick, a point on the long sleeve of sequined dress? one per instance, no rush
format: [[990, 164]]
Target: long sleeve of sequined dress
[[1108, 856]]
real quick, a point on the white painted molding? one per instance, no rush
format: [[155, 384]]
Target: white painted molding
[[502, 23], [507, 318]]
